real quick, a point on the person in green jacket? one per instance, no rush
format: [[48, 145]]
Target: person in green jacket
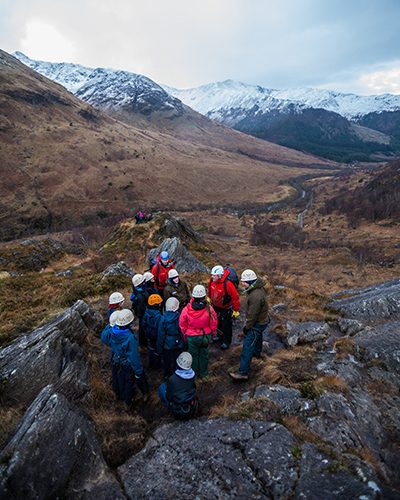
[[257, 319]]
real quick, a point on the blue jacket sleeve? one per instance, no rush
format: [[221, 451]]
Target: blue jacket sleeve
[[160, 336], [134, 356], [106, 335]]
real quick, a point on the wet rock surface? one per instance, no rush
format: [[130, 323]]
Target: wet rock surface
[[376, 302], [50, 354], [185, 262], [55, 454], [307, 332], [248, 459]]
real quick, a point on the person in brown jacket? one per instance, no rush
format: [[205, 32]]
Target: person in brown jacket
[[176, 288], [257, 319]]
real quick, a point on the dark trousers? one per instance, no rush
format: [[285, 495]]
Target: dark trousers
[[225, 324], [124, 382], [169, 361], [142, 334], [154, 358], [252, 346]]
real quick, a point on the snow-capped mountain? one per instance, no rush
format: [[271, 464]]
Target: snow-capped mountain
[[219, 100], [107, 88]]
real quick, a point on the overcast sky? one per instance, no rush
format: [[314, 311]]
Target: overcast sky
[[346, 45]]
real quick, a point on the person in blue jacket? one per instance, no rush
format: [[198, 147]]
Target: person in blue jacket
[[139, 303], [169, 338], [127, 368], [151, 320]]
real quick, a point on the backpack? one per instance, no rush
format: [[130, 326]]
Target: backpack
[[233, 278]]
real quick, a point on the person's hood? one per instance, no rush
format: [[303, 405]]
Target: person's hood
[[195, 313], [153, 310], [185, 374], [259, 283], [171, 316], [120, 335]]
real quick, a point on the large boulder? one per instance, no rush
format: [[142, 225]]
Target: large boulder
[[179, 228], [118, 269], [305, 333], [288, 400], [373, 303], [185, 262], [54, 453], [50, 354]]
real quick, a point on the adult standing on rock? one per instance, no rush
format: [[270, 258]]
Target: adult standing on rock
[[176, 288], [198, 323], [127, 366], [160, 271], [225, 300], [257, 319]]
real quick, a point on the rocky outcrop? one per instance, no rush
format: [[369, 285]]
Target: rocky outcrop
[[31, 255], [373, 303], [349, 326], [307, 332], [49, 355], [289, 401], [118, 269], [247, 459], [185, 262], [177, 227], [55, 454]]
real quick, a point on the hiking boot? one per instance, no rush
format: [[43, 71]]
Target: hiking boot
[[224, 346], [238, 376]]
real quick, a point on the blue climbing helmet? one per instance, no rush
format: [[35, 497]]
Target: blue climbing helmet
[[164, 255]]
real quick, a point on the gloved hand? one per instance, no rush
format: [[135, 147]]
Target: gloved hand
[[235, 314]]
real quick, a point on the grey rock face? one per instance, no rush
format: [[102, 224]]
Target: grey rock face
[[321, 477], [350, 326], [179, 228], [55, 454], [279, 308], [382, 343], [185, 262], [50, 354], [303, 333], [375, 302], [289, 401], [118, 269]]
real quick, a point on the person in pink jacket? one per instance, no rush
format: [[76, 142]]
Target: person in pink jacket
[[198, 323]]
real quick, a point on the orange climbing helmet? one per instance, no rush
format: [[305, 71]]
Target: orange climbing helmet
[[154, 299]]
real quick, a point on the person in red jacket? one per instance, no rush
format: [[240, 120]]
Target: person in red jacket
[[198, 324], [225, 300], [160, 271]]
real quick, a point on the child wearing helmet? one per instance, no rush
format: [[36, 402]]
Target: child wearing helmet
[[151, 319], [115, 302], [169, 338], [178, 393], [127, 366], [198, 323], [139, 298]]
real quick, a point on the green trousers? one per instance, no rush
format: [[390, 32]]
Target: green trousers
[[198, 348]]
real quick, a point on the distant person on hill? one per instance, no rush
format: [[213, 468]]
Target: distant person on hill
[[257, 319], [149, 283], [178, 394], [198, 323], [169, 337], [160, 271], [115, 302], [177, 288], [127, 369], [139, 298], [151, 320], [225, 300]]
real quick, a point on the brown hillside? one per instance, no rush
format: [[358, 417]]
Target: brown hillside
[[62, 162]]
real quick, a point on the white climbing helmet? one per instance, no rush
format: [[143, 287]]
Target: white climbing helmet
[[184, 360], [198, 292], [148, 276], [217, 271], [116, 298], [172, 304], [124, 318], [137, 280], [113, 318], [248, 275], [173, 273]]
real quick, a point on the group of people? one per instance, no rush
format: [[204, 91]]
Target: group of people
[[142, 217], [177, 327]]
